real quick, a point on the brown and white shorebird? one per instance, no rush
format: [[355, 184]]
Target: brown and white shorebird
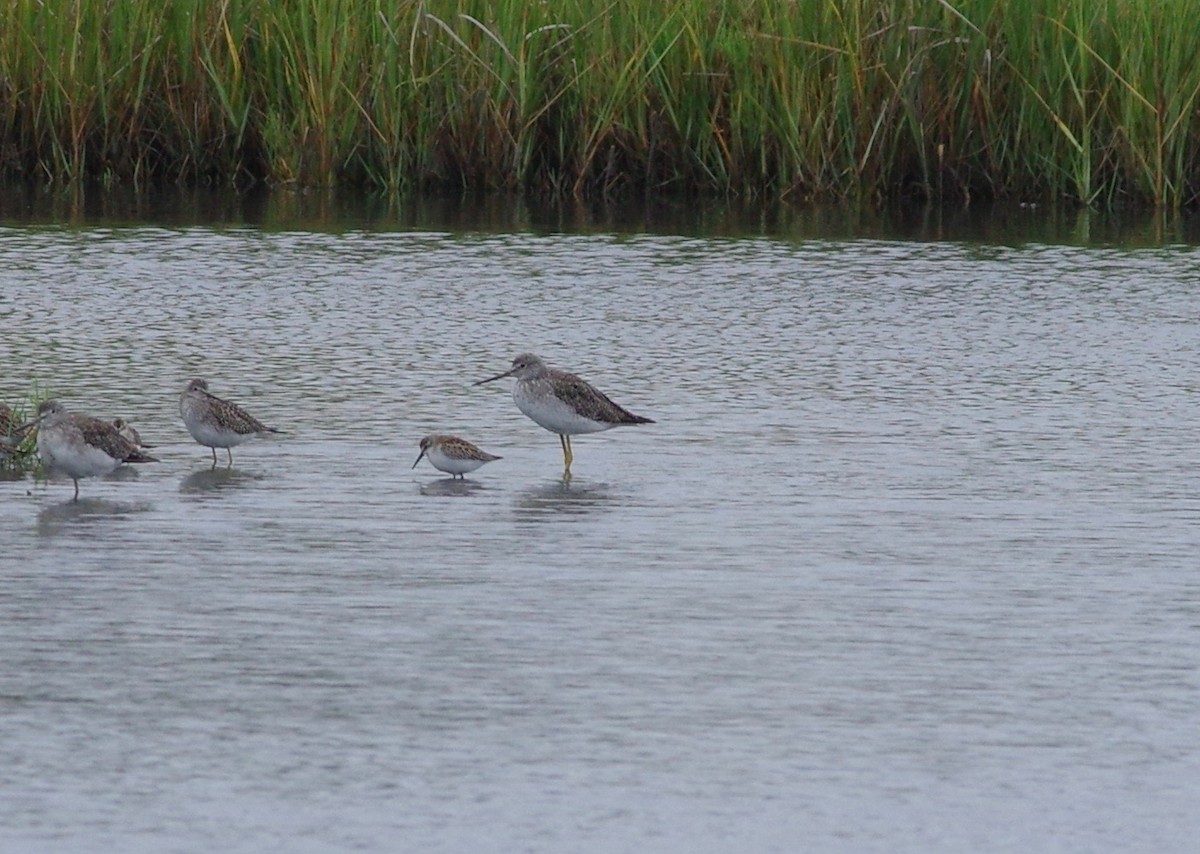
[[563, 403], [129, 432], [452, 455], [81, 446], [217, 423]]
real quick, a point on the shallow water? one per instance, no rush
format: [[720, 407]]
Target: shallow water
[[907, 563]]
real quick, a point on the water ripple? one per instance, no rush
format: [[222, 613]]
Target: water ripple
[[913, 537]]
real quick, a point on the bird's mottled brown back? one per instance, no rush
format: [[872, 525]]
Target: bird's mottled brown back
[[230, 416], [589, 401], [101, 434]]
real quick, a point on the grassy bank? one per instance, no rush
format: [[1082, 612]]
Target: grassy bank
[[1091, 100]]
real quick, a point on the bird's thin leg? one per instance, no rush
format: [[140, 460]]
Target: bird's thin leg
[[214, 453], [568, 457], [230, 452], [76, 498]]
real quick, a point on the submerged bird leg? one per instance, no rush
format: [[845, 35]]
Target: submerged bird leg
[[568, 457]]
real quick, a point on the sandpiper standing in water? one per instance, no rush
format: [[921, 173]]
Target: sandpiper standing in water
[[562, 402], [80, 445], [453, 455], [217, 423]]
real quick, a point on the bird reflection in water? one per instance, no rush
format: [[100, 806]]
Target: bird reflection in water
[[84, 513], [564, 497], [212, 481], [451, 488]]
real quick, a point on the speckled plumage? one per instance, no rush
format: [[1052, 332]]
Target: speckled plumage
[[217, 423], [563, 403], [452, 455], [81, 446]]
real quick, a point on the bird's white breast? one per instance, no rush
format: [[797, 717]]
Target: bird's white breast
[[204, 428], [64, 450], [540, 405], [451, 465]]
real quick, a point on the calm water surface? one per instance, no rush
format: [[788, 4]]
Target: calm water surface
[[908, 563]]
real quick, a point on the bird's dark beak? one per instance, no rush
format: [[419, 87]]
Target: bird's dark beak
[[507, 373], [414, 465]]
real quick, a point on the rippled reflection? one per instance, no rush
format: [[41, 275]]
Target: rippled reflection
[[573, 497], [214, 480], [451, 488], [86, 512]]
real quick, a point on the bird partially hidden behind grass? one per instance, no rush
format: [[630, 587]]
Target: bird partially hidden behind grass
[[217, 423], [8, 421], [80, 445], [452, 455], [11, 433]]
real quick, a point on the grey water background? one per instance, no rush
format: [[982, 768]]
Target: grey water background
[[908, 563]]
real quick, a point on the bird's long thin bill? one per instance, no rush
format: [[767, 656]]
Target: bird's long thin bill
[[497, 377], [414, 465]]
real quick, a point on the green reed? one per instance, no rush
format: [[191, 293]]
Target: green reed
[[1090, 100], [18, 449]]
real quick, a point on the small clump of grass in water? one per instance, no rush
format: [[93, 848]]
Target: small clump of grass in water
[[18, 449]]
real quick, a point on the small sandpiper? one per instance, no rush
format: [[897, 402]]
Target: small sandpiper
[[452, 455], [562, 402], [217, 423], [129, 432], [80, 445]]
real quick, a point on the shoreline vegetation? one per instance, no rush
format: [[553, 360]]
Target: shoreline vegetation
[[18, 448], [1087, 101]]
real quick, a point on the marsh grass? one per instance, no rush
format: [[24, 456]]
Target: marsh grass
[[18, 450], [1090, 100]]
